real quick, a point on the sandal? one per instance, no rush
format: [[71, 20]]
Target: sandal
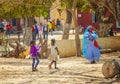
[[36, 69], [33, 70]]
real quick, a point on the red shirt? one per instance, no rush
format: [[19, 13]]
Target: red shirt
[[33, 29], [8, 27]]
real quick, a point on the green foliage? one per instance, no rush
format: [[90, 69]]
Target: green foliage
[[83, 5], [24, 8], [63, 4]]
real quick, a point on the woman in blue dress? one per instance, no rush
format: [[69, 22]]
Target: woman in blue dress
[[90, 51]]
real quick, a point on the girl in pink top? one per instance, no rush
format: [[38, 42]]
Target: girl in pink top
[[40, 29], [34, 54]]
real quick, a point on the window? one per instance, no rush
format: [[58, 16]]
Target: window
[[117, 24], [94, 19]]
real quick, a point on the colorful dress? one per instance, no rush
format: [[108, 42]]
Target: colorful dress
[[90, 52]]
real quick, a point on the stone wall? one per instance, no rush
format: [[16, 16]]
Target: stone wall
[[67, 47], [112, 43]]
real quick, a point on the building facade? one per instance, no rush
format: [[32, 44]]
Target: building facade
[[87, 18]]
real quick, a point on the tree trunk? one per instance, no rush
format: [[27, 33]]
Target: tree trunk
[[25, 28], [28, 33], [118, 10], [104, 29], [67, 25], [105, 22], [77, 39]]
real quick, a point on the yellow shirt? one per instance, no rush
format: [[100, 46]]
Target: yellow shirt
[[53, 24], [49, 25]]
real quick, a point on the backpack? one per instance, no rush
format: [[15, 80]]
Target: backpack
[[36, 29]]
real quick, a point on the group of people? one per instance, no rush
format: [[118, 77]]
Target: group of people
[[5, 27], [91, 49], [42, 30], [54, 52]]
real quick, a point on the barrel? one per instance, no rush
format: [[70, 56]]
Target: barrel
[[111, 68]]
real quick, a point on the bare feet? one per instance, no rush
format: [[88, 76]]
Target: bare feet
[[50, 67], [56, 68]]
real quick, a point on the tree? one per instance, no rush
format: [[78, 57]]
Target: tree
[[26, 9], [67, 25], [68, 20], [71, 8], [101, 7], [83, 5]]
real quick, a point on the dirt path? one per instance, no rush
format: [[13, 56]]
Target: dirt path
[[73, 70]]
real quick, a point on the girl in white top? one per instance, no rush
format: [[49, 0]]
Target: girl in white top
[[53, 54]]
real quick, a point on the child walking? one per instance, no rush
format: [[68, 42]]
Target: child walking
[[34, 54], [53, 54]]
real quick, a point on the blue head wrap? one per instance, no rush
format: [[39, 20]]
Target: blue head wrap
[[87, 28], [84, 41]]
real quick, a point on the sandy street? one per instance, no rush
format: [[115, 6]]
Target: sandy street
[[73, 70]]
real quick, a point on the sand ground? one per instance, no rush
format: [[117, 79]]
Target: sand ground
[[72, 70]]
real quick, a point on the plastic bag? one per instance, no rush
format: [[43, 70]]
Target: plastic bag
[[96, 44], [58, 57]]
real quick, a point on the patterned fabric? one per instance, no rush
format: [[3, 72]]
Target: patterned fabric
[[90, 52]]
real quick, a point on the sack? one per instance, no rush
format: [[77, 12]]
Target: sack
[[96, 44]]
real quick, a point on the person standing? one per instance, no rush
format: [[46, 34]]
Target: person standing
[[34, 54], [111, 32], [40, 29], [53, 25], [36, 32], [1, 27], [45, 31], [90, 46], [4, 23], [54, 52], [50, 27], [33, 33], [8, 29], [81, 30], [58, 23]]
